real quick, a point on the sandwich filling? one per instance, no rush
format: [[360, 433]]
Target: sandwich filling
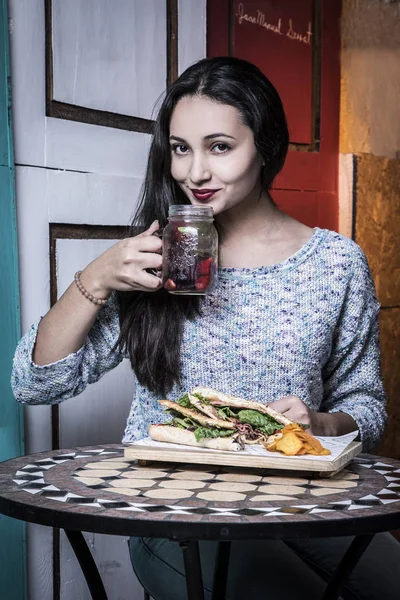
[[208, 416]]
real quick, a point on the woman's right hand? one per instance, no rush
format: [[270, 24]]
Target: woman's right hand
[[123, 266]]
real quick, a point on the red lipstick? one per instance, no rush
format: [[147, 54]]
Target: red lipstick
[[204, 194]]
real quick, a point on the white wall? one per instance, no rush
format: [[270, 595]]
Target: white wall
[[110, 55]]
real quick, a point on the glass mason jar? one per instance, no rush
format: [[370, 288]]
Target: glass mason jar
[[190, 250]]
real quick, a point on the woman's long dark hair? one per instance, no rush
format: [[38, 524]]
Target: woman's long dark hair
[[152, 323]]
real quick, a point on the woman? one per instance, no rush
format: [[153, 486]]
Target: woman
[[293, 319]]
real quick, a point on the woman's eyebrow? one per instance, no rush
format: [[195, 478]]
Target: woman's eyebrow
[[207, 137], [215, 135]]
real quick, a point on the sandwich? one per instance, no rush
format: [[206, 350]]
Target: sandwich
[[210, 419]]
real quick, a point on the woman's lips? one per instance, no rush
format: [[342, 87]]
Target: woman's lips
[[203, 194]]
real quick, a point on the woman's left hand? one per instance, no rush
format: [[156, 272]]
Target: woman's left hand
[[320, 423], [294, 409]]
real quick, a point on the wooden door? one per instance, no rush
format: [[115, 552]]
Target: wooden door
[[85, 77], [296, 43]]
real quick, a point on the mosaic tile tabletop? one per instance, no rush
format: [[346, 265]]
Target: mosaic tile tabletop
[[100, 481]]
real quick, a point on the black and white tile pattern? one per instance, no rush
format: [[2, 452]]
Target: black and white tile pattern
[[172, 490]]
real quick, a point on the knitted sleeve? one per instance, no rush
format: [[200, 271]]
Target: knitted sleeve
[[352, 375], [49, 384]]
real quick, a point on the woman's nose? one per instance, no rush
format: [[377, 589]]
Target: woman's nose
[[199, 170]]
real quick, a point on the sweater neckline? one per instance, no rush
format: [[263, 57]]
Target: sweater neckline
[[289, 263]]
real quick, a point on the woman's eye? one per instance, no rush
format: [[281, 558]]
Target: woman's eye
[[220, 148], [179, 149]]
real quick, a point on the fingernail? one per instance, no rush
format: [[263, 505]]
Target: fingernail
[[154, 223]]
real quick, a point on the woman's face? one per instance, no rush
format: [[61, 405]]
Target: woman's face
[[214, 159]]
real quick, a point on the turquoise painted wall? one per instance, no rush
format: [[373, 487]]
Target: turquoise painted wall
[[12, 532]]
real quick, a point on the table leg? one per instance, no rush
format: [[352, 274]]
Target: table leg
[[87, 564], [194, 578], [221, 571], [346, 566]]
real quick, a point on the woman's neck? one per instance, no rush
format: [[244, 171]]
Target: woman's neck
[[258, 234], [258, 218]]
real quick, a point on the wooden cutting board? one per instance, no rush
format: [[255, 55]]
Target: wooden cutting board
[[243, 458]]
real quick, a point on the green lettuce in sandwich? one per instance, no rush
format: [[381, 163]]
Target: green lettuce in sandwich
[[211, 419]]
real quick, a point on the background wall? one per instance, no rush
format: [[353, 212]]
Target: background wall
[[370, 168]]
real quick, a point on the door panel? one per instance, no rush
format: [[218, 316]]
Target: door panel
[[191, 32], [304, 64], [99, 414], [96, 46]]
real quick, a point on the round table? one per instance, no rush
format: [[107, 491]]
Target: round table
[[96, 489]]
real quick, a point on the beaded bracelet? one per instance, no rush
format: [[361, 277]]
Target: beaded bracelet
[[84, 292]]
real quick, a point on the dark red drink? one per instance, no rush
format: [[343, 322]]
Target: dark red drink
[[190, 251]]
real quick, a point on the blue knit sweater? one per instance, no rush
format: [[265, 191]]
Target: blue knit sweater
[[307, 327]]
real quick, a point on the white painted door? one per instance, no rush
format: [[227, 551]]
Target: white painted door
[[101, 65]]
